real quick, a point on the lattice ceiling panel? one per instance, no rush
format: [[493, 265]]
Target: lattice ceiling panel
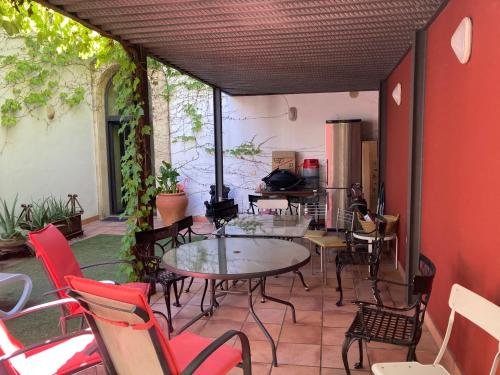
[[266, 46]]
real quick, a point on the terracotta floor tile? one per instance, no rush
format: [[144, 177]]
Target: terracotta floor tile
[[295, 370], [235, 300], [253, 331], [230, 313], [337, 319], [337, 371], [268, 316], [331, 356], [268, 304], [261, 351], [307, 303], [333, 336], [304, 317], [257, 369], [215, 328], [300, 334], [383, 355], [188, 312], [195, 328], [299, 354], [330, 304]]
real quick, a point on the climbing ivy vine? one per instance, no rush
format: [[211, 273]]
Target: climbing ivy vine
[[32, 80]]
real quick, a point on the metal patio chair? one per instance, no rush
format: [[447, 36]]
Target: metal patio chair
[[356, 254], [147, 242], [131, 340], [53, 250], [470, 305], [62, 355], [222, 216], [392, 325]]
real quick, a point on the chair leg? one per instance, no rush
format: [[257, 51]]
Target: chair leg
[[166, 295], [411, 356], [359, 364], [176, 294], [189, 285], [339, 268], [345, 350]]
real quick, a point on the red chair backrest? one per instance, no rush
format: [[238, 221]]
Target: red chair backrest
[[87, 289], [59, 261]]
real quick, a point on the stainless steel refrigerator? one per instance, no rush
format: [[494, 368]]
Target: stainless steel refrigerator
[[343, 164]]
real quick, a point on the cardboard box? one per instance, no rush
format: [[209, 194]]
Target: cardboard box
[[284, 160]]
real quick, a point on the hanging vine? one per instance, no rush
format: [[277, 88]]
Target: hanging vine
[[31, 81]]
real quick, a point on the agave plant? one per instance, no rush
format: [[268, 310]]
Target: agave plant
[[9, 221], [57, 209], [39, 217]]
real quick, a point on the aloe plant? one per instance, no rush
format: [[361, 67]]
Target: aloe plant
[[57, 209], [9, 221]]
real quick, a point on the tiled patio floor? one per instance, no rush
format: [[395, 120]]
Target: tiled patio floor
[[313, 344]]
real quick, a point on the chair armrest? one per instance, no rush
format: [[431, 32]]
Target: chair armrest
[[216, 344], [40, 307], [46, 342], [118, 261]]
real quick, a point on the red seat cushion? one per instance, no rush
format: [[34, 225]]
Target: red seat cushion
[[187, 346]]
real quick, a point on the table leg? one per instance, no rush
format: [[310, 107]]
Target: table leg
[[277, 300], [259, 323], [208, 312]]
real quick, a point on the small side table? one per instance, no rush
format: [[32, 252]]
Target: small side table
[[9, 278]]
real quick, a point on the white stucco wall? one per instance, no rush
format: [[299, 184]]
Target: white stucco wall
[[41, 157], [265, 120]]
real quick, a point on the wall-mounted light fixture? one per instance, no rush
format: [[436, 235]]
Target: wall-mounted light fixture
[[461, 41], [396, 94], [292, 113]]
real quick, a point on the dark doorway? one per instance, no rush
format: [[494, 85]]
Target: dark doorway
[[115, 145]]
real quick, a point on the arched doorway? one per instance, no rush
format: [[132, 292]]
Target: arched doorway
[[115, 146]]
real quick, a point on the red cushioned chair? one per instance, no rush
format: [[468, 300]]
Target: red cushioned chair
[[132, 342], [61, 355], [52, 248]]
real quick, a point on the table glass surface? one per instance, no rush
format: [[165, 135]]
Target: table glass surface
[[233, 258], [285, 226]]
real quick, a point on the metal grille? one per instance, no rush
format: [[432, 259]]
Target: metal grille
[[265, 46]]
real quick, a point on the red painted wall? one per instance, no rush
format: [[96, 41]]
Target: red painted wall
[[461, 171], [396, 175]]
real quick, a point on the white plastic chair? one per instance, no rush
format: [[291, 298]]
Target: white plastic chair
[[470, 305]]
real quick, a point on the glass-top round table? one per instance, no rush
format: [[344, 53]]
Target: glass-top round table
[[230, 258], [236, 258]]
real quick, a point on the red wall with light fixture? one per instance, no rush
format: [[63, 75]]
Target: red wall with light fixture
[[397, 124], [461, 171]]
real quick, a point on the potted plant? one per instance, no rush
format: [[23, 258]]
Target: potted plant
[[11, 234], [64, 215], [171, 200]]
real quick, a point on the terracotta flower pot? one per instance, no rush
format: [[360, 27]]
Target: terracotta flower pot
[[172, 207]]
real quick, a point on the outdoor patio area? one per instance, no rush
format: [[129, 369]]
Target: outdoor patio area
[[312, 345], [210, 187]]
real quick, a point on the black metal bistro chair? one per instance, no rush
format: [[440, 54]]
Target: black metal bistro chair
[[356, 254], [392, 325], [222, 216], [185, 235], [146, 244]]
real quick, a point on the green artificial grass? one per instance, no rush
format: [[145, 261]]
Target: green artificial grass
[[36, 326], [40, 325]]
